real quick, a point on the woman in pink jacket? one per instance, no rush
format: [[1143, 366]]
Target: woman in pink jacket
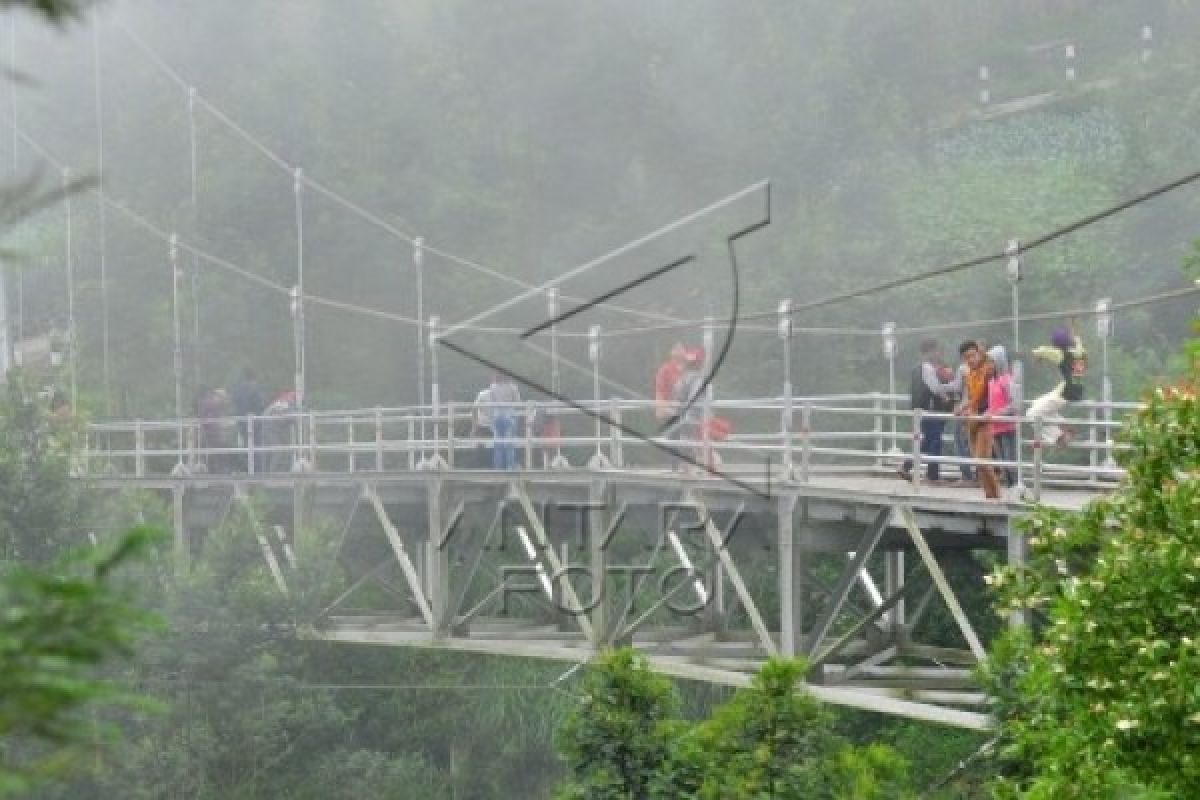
[[1000, 404]]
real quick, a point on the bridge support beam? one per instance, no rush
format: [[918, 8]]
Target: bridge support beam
[[791, 577], [894, 584], [442, 527], [599, 533], [1018, 555], [863, 620], [406, 565], [719, 539], [182, 554]]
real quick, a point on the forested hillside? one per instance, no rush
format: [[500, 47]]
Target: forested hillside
[[532, 136]]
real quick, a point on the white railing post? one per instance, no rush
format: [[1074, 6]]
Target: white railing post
[[615, 451], [1037, 459], [86, 454], [250, 444], [877, 404], [889, 352], [806, 415], [450, 435], [378, 439], [1018, 403], [139, 449], [598, 459], [436, 461], [528, 434], [312, 440], [917, 437], [412, 434], [350, 444], [786, 421], [1104, 329], [1093, 444]]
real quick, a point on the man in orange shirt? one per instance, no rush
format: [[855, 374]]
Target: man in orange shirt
[[665, 380], [975, 400]]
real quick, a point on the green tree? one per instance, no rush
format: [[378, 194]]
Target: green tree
[[772, 741], [618, 738], [769, 741], [1099, 697], [41, 505], [58, 628]]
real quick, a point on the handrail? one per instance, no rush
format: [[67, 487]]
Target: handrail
[[834, 433]]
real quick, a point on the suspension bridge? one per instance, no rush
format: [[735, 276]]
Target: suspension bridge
[[803, 542], [596, 540]]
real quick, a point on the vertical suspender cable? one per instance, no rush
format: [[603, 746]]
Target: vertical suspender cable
[[177, 354], [301, 366], [20, 276], [6, 345], [106, 376], [12, 83], [195, 211], [72, 338], [418, 256], [1012, 269], [552, 309]]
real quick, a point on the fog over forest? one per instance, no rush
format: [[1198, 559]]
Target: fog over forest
[[434, 166], [531, 137]]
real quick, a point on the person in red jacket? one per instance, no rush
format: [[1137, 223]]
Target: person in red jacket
[[665, 380]]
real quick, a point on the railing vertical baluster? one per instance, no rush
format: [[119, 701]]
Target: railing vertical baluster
[[350, 443], [412, 432], [877, 403], [450, 435], [312, 440], [787, 421], [917, 436], [616, 450], [1093, 442], [1018, 404], [806, 414], [378, 439], [139, 449], [1037, 459], [250, 443], [528, 434]]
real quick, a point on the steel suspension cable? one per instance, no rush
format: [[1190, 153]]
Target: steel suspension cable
[[1136, 302], [102, 219], [960, 266], [336, 197]]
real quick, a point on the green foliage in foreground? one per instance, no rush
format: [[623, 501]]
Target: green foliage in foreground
[[57, 628], [1102, 699], [769, 741]]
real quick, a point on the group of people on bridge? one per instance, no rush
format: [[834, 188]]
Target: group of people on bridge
[[241, 430], [979, 394], [243, 419]]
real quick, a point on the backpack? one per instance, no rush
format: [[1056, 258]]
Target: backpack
[[1073, 368], [923, 398]]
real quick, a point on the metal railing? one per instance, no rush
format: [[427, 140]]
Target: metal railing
[[799, 438]]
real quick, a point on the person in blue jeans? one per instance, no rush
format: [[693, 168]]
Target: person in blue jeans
[[504, 397], [929, 394]]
